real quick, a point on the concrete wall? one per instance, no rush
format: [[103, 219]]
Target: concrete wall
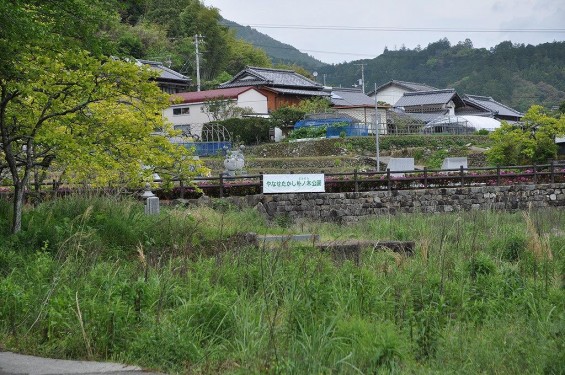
[[351, 207]]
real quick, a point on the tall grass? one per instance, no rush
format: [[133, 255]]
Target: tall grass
[[484, 292]]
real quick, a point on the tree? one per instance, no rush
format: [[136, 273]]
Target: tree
[[243, 54], [532, 141], [78, 114], [221, 108], [286, 116]]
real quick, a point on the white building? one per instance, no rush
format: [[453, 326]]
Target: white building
[[188, 110]]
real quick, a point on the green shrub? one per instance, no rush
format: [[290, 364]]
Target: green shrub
[[248, 131]]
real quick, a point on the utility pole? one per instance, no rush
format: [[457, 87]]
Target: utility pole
[[377, 130], [196, 42], [362, 76]]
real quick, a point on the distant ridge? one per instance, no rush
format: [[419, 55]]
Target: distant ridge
[[277, 51]]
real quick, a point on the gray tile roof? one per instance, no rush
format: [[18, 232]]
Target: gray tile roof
[[343, 97], [410, 86], [298, 92], [164, 72], [253, 76], [492, 105], [472, 111], [422, 98]]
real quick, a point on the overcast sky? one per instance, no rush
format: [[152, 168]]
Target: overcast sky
[[335, 31]]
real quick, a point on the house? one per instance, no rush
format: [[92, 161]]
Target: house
[[426, 106], [281, 87], [168, 80], [487, 106], [446, 111], [357, 105], [393, 90], [188, 111]]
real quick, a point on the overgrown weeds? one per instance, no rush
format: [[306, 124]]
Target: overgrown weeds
[[483, 293]]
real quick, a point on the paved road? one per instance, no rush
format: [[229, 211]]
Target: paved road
[[19, 364]]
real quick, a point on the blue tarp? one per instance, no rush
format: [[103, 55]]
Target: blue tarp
[[321, 122], [351, 129], [354, 130], [207, 148]]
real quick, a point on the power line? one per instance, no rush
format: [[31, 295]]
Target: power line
[[418, 29]]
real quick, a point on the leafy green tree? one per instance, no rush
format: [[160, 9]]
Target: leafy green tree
[[243, 54], [76, 113], [221, 108], [285, 117], [532, 141], [248, 131], [314, 105]]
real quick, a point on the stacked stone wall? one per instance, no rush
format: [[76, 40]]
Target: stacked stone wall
[[351, 207]]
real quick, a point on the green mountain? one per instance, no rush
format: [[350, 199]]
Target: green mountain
[[277, 51], [517, 75]]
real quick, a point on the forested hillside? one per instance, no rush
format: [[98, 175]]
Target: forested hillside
[[165, 30], [277, 51], [515, 74]]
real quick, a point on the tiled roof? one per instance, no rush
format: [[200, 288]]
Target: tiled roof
[[491, 105], [410, 86], [472, 111], [201, 96], [164, 72], [343, 97], [253, 76], [421, 98], [298, 92]]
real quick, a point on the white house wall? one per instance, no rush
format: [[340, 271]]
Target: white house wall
[[198, 117], [390, 94], [254, 100]]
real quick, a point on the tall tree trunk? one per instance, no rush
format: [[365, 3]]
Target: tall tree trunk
[[19, 189]]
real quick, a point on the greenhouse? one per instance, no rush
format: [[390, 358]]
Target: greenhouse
[[461, 124]]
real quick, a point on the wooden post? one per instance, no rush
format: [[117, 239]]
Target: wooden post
[[181, 184], [389, 182], [355, 179], [498, 175], [425, 177], [260, 182], [54, 185], [462, 175], [221, 185], [535, 174], [552, 172]]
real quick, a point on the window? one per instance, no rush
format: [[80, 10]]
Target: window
[[181, 111]]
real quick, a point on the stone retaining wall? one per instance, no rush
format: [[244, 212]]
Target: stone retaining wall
[[351, 207]]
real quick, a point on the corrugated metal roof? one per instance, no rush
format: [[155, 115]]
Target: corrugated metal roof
[[422, 116], [201, 96], [492, 105], [350, 97], [422, 98]]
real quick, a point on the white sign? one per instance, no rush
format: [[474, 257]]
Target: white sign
[[293, 183]]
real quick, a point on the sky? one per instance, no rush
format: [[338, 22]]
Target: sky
[[336, 31]]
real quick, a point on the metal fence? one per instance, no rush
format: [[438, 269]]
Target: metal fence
[[357, 181]]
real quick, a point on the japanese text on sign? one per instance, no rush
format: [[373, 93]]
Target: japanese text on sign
[[293, 183]]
